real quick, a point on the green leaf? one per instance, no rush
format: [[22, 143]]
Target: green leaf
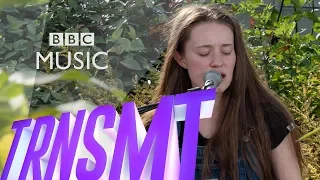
[[142, 61], [301, 78], [132, 32], [20, 43], [75, 75], [9, 46], [290, 27], [119, 23], [287, 2], [268, 32], [73, 4], [71, 30], [39, 36], [13, 63], [137, 45], [297, 3], [31, 28], [223, 1], [16, 31], [22, 67], [310, 37], [57, 96], [5, 3], [15, 23], [117, 33], [32, 37], [45, 97], [85, 30], [38, 44], [9, 55], [312, 16], [11, 19], [11, 90], [3, 78], [61, 15], [2, 51], [109, 39], [32, 77], [9, 9], [95, 17], [125, 44], [316, 27], [130, 62], [276, 76], [116, 49], [99, 39], [97, 49], [28, 52], [149, 3], [21, 48]]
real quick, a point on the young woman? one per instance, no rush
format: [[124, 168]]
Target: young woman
[[251, 133]]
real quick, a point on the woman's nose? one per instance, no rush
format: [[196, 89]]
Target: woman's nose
[[216, 61]]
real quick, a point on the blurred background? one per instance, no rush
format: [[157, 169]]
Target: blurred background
[[282, 36]]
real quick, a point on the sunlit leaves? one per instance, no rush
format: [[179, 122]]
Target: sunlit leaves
[[132, 32], [316, 27], [117, 33], [291, 62], [8, 5]]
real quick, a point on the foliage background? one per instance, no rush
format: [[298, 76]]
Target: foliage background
[[287, 59]]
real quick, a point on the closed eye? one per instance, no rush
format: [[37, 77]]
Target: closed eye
[[203, 55], [226, 53]]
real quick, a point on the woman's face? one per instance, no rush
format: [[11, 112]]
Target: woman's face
[[210, 47]]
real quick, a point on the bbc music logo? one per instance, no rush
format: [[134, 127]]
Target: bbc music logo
[[73, 58], [71, 39]]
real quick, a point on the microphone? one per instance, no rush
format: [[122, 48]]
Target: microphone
[[212, 79]]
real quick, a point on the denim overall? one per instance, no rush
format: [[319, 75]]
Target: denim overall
[[245, 172]]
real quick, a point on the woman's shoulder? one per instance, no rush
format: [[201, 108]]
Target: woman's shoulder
[[278, 121]]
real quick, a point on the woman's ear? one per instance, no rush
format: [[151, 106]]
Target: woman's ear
[[180, 60]]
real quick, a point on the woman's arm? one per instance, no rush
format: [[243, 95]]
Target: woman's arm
[[284, 161]]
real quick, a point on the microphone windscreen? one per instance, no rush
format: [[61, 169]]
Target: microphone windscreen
[[213, 76]]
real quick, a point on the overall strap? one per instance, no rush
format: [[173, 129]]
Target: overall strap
[[180, 128]]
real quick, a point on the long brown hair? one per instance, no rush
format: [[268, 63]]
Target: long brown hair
[[244, 98]]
